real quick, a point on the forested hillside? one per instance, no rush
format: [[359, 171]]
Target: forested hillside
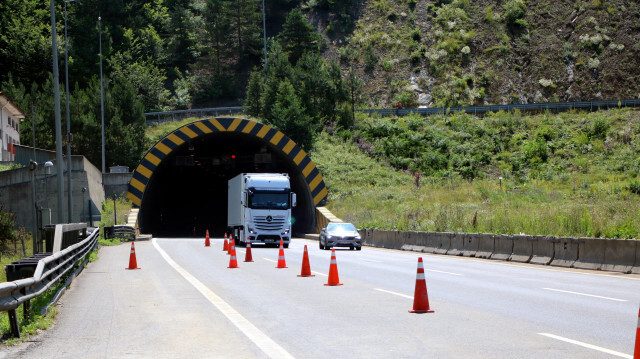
[[325, 58]]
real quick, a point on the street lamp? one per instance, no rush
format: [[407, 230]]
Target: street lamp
[[101, 90], [66, 72]]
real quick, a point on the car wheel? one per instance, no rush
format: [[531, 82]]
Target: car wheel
[[351, 248], [320, 244], [358, 248]]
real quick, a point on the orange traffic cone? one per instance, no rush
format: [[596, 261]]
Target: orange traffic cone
[[281, 262], [233, 261], [226, 245], [133, 263], [207, 243], [420, 297], [231, 241], [636, 353], [248, 257], [333, 270], [306, 269]]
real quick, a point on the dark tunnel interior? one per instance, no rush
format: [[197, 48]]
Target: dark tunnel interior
[[187, 193]]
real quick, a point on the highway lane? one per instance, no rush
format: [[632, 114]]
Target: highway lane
[[483, 309]]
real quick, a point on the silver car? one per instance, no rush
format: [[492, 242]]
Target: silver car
[[340, 234]]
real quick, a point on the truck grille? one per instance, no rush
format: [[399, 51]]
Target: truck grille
[[262, 223]]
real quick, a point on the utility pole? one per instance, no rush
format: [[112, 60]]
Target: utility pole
[[56, 92], [264, 34], [101, 91], [66, 72]]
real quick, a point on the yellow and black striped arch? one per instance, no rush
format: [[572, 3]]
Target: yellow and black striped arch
[[167, 145]]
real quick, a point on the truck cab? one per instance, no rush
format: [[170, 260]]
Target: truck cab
[[259, 208]]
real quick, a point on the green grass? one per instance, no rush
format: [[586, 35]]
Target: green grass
[[122, 206], [582, 189]]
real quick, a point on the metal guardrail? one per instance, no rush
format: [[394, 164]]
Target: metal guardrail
[[532, 107], [168, 116], [159, 117], [48, 272], [124, 232]]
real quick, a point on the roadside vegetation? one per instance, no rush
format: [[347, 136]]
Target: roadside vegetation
[[567, 174], [122, 208]]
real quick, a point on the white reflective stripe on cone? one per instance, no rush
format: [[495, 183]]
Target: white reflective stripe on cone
[[420, 276]]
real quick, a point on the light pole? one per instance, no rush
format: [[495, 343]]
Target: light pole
[[56, 93], [33, 165], [66, 72], [264, 36], [101, 90]]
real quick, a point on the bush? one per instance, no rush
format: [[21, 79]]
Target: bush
[[514, 11]]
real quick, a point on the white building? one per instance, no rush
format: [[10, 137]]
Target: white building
[[10, 116]]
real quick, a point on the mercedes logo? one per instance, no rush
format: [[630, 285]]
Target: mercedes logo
[[269, 219]]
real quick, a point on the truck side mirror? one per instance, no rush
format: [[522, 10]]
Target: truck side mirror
[[244, 199], [294, 201]]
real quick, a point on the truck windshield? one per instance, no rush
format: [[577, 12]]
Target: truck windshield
[[269, 200]]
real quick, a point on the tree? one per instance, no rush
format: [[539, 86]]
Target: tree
[[298, 36], [289, 116], [25, 40], [254, 92]]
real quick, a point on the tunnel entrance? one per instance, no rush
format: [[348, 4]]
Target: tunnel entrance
[[184, 192]]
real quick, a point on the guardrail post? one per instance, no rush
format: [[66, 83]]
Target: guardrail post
[[26, 310], [13, 323]]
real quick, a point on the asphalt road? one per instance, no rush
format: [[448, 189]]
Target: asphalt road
[[186, 303]]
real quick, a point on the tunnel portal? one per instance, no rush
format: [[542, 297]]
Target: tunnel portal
[[181, 183]]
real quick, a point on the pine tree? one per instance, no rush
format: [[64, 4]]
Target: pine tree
[[298, 36]]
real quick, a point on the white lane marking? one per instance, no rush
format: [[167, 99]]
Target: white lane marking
[[370, 260], [270, 260], [266, 344], [395, 293], [439, 271], [586, 345], [318, 273], [585, 294]]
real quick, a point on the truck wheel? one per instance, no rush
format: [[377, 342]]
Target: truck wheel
[[286, 245]]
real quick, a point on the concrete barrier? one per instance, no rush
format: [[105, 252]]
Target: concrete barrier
[[442, 242], [413, 241], [485, 245], [522, 249], [636, 266], [620, 255], [471, 243], [457, 244], [591, 253], [542, 250], [565, 251], [377, 238], [431, 242], [503, 247]]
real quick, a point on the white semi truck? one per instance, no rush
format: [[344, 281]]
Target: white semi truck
[[259, 208]]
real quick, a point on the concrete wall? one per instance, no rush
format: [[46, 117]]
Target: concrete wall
[[116, 184], [619, 255], [16, 193]]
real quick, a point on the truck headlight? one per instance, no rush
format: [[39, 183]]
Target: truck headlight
[[251, 230]]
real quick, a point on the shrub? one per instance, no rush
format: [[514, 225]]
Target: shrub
[[514, 11]]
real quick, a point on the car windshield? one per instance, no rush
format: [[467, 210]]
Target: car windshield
[[340, 227], [269, 200]]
